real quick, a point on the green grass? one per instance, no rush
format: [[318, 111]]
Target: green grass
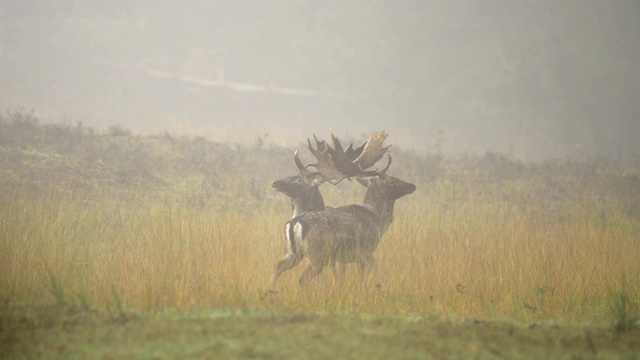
[[113, 245], [75, 333]]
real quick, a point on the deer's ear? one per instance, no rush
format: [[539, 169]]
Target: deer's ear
[[364, 181], [317, 179]]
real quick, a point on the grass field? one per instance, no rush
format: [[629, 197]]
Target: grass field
[[113, 245], [67, 332]]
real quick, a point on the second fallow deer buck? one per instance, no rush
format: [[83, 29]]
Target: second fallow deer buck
[[350, 233], [303, 188]]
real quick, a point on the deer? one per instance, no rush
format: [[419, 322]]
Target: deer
[[350, 233], [303, 188]]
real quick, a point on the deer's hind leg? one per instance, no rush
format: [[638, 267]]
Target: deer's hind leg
[[317, 261], [289, 261], [312, 271]]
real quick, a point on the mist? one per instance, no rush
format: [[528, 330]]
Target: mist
[[533, 80]]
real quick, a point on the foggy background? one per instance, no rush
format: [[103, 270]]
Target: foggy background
[[533, 79]]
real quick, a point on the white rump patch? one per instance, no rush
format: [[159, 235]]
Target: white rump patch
[[298, 231], [287, 232]]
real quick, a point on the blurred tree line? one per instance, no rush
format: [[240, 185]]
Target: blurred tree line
[[533, 79]]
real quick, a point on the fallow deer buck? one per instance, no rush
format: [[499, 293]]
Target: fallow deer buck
[[350, 233], [303, 188]]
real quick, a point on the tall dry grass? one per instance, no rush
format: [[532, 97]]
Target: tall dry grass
[[462, 254]]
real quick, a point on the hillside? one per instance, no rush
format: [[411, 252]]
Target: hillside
[[195, 170]]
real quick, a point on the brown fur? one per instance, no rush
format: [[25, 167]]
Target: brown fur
[[347, 234]]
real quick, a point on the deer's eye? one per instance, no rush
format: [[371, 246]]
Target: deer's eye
[[297, 180]]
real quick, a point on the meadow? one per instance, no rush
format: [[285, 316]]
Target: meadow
[[156, 237]]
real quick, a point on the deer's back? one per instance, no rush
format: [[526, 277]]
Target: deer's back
[[341, 232]]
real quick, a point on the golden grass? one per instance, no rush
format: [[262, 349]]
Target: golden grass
[[511, 259]]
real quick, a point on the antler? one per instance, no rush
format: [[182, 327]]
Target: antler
[[325, 165], [352, 153], [335, 164], [373, 150], [299, 164]]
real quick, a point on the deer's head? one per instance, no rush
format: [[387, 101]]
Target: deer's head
[[301, 184], [385, 185]]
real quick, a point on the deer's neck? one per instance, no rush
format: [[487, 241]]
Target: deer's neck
[[381, 205], [311, 202]]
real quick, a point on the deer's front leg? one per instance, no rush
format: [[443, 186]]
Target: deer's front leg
[[365, 263], [338, 269]]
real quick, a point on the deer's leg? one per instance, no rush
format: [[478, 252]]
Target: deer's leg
[[365, 263], [312, 271], [338, 269], [286, 263], [318, 259], [335, 267], [339, 261], [335, 270]]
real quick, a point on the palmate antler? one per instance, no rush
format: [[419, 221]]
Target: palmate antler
[[322, 149], [336, 164]]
